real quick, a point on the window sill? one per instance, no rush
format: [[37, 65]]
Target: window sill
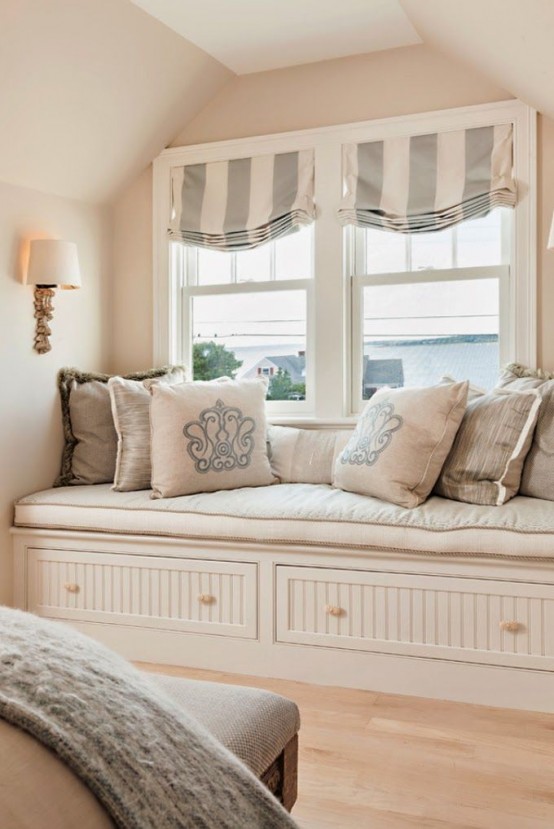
[[313, 422]]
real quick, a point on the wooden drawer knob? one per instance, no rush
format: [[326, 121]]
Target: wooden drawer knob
[[71, 587], [510, 625], [205, 598], [333, 610]]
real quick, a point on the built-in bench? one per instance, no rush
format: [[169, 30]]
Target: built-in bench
[[304, 582]]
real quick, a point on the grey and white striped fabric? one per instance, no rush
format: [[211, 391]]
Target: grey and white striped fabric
[[423, 183], [486, 461], [243, 203]]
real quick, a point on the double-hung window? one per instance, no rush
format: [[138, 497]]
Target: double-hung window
[[330, 307], [246, 314], [429, 305]]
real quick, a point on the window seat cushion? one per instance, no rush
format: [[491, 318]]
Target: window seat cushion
[[309, 514]]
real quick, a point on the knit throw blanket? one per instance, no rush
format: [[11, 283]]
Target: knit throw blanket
[[148, 763]]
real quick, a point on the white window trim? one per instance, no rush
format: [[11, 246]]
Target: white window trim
[[331, 306]]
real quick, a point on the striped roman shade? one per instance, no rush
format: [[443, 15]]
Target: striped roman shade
[[422, 183], [243, 203]]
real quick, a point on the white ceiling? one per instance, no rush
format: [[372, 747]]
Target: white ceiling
[[256, 35]]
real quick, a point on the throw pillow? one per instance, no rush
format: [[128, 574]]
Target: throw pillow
[[207, 436], [130, 402], [473, 391], [537, 480], [90, 439], [401, 441], [486, 461], [305, 456]]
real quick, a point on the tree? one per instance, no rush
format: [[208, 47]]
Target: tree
[[210, 361], [281, 387]]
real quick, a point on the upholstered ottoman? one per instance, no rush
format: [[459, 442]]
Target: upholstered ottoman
[[259, 727]]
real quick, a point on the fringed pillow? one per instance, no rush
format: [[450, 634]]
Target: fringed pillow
[[90, 439]]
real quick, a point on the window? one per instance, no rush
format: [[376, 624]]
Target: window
[[245, 314], [312, 310], [427, 305]]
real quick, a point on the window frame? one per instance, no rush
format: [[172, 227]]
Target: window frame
[[330, 316], [189, 287]]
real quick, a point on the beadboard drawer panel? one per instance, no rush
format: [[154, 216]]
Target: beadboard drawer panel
[[473, 620], [194, 595]]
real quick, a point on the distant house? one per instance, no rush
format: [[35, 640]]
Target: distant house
[[294, 364], [425, 361], [395, 363], [380, 373]]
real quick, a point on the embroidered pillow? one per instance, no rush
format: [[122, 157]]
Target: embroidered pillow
[[130, 402], [207, 436], [401, 441], [537, 480], [305, 456], [486, 461], [90, 447]]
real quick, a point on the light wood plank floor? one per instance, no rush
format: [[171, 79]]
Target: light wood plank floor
[[392, 762]]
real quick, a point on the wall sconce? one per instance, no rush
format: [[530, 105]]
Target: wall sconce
[[52, 264], [550, 243]]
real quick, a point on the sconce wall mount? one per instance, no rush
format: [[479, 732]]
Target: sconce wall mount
[[52, 264]]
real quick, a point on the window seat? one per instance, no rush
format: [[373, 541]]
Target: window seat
[[288, 514], [304, 582]]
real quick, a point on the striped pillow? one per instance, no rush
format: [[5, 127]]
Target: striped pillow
[[130, 401], [305, 456], [537, 480], [485, 463]]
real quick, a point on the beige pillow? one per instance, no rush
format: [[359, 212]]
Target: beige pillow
[[473, 391], [537, 480], [401, 441], [90, 446], [305, 456], [486, 461], [130, 401], [207, 436]]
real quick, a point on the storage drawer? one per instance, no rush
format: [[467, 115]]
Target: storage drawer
[[194, 595], [473, 620]]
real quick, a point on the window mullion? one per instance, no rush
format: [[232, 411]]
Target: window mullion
[[272, 262], [327, 320]]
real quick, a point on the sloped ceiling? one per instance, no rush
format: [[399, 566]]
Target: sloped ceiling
[[91, 91], [253, 36], [508, 40]]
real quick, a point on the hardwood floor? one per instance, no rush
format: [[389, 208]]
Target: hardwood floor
[[392, 762]]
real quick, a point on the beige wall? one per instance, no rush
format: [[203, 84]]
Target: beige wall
[[132, 268], [378, 85], [30, 422], [91, 91], [545, 257]]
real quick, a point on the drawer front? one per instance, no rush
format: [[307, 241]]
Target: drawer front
[[473, 620], [215, 597]]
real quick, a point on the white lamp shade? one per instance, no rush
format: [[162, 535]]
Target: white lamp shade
[[550, 243], [53, 262]]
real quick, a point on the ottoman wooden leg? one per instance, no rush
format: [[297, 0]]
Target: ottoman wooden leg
[[281, 778]]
